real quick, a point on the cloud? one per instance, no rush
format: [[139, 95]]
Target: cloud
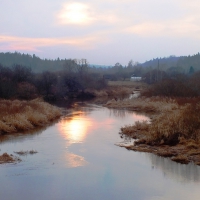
[[76, 13], [186, 27], [29, 44], [111, 28]]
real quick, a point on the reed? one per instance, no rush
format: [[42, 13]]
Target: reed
[[24, 115], [176, 124], [153, 104], [183, 159], [6, 158]]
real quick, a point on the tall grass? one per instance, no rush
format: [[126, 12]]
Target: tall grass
[[113, 92], [170, 127], [152, 104], [118, 89], [23, 115]]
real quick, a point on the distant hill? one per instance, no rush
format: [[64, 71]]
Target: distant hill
[[35, 63], [182, 63], [168, 62]]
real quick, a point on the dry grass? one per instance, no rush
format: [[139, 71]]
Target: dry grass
[[183, 159], [6, 158], [153, 104], [135, 130], [117, 92], [24, 115], [174, 130], [184, 123], [119, 89], [170, 127], [131, 84], [22, 153]]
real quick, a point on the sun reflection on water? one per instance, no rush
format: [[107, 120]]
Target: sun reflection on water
[[75, 128], [74, 160]]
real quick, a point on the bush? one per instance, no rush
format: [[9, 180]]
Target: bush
[[172, 127], [171, 88], [26, 91], [7, 88]]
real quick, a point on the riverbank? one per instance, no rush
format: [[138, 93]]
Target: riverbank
[[18, 116], [173, 129], [118, 89]]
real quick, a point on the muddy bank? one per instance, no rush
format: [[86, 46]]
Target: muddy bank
[[179, 153]]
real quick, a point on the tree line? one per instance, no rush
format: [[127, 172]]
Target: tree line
[[171, 63], [75, 77], [35, 63], [72, 81]]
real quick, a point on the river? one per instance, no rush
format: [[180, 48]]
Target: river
[[77, 159]]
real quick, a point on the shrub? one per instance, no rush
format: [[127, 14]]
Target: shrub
[[171, 88], [171, 128], [26, 91]]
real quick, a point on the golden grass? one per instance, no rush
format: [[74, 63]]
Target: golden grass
[[172, 123], [132, 84], [153, 104], [117, 92], [119, 89], [19, 115], [6, 158], [174, 131], [183, 159]]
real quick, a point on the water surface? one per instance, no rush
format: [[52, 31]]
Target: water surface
[[77, 159]]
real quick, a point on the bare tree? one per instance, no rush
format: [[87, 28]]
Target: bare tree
[[82, 66]]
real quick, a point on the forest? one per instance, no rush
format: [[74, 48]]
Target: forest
[[23, 76]]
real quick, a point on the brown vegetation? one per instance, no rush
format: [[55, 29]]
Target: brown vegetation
[[19, 115], [119, 89], [172, 131], [22, 153], [6, 158], [153, 104]]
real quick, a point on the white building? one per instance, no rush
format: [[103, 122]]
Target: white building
[[136, 78]]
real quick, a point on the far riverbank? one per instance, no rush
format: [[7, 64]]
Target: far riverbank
[[173, 130]]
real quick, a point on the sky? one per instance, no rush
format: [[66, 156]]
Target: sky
[[102, 31]]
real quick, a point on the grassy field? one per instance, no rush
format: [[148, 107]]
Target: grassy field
[[132, 84]]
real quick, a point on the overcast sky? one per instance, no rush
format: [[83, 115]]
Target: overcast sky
[[102, 31]]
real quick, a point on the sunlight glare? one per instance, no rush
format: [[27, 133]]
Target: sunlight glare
[[75, 13], [74, 130]]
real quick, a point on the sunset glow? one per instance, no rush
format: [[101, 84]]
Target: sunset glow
[[33, 44], [103, 32], [74, 130], [75, 13]]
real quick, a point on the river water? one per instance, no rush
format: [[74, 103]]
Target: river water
[[77, 159]]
